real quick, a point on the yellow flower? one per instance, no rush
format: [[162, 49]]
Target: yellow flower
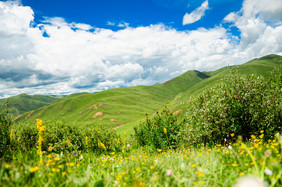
[[38, 124], [155, 180], [64, 173], [101, 145], [232, 134], [262, 131], [11, 135], [165, 131], [33, 169], [68, 142], [159, 150], [152, 167], [19, 139], [41, 161], [234, 164], [86, 140], [7, 166], [50, 148], [241, 174], [123, 173], [193, 165], [137, 169], [200, 173], [71, 164], [56, 158]]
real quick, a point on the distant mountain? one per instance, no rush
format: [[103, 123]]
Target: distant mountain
[[126, 106], [23, 103]]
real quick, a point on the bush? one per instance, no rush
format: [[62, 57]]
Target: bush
[[159, 132], [62, 137], [5, 130], [242, 105]]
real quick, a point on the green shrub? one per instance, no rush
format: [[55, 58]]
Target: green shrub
[[159, 132], [242, 105], [5, 130], [64, 137]]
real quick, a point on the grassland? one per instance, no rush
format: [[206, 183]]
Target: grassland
[[69, 153]]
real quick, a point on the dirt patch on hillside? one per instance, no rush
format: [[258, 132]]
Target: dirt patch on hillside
[[178, 112], [97, 114], [114, 120], [101, 119], [29, 114], [90, 108]]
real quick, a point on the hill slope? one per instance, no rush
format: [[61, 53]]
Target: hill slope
[[23, 103], [122, 106], [114, 107], [261, 66]]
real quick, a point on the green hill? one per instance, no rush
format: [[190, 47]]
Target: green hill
[[23, 103], [114, 107], [124, 107], [261, 66]]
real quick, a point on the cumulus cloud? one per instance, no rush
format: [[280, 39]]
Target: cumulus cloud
[[196, 15], [57, 57]]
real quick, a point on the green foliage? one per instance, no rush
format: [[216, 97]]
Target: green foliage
[[62, 137], [159, 132], [242, 105], [5, 130]]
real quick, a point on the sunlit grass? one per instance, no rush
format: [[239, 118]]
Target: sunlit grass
[[220, 165]]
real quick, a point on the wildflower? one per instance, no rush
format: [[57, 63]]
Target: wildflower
[[232, 134], [249, 181], [56, 158], [229, 147], [7, 166], [200, 174], [165, 131], [137, 169], [64, 173], [159, 150], [71, 164], [11, 135], [86, 140], [74, 154], [68, 142], [38, 124], [50, 148], [128, 145], [169, 172], [234, 164], [268, 172], [155, 179], [267, 153], [241, 174], [262, 131], [101, 145], [123, 173], [33, 169], [19, 139], [152, 167], [193, 165], [81, 157]]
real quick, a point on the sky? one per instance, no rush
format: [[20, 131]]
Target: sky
[[55, 47]]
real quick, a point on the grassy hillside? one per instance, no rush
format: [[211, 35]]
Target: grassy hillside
[[125, 107], [261, 66], [114, 107], [23, 103]]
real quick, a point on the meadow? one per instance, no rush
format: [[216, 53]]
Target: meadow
[[225, 134]]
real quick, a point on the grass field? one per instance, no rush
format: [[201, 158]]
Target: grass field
[[219, 165]]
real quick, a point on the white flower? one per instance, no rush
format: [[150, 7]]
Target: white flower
[[229, 147], [81, 157], [268, 172], [128, 145], [169, 172], [249, 182]]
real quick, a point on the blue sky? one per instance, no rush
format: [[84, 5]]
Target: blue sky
[[63, 47], [135, 12]]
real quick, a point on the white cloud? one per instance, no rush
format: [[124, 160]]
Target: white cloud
[[77, 57], [196, 15], [123, 24]]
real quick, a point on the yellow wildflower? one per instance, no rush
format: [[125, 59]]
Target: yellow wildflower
[[165, 131], [56, 158], [50, 148], [232, 134], [34, 169], [11, 135], [159, 150]]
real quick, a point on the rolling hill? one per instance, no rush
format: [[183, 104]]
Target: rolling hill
[[23, 103], [124, 107]]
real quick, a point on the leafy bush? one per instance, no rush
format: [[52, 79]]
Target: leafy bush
[[159, 132], [5, 130], [242, 105], [62, 137]]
